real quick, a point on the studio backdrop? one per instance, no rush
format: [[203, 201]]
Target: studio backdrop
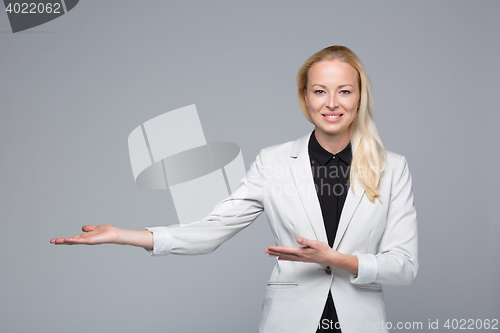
[[74, 86]]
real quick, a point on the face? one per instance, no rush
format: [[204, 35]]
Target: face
[[333, 98]]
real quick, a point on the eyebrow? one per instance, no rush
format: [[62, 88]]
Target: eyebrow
[[341, 86]]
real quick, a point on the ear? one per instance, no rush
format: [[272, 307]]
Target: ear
[[305, 97]]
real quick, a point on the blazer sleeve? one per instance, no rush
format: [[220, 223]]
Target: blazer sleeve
[[397, 258], [396, 262], [229, 216]]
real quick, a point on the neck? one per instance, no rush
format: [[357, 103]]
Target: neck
[[333, 143]]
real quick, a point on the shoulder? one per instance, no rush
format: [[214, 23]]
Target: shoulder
[[396, 164], [282, 153], [394, 159], [276, 154], [282, 148]]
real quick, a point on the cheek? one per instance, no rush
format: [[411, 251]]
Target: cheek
[[313, 103], [354, 104]]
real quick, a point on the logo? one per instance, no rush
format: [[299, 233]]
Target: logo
[[25, 15]]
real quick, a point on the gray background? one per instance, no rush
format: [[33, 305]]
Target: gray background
[[73, 89]]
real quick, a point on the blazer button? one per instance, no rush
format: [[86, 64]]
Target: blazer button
[[328, 270]]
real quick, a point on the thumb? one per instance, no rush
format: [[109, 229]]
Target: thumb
[[88, 228], [304, 241]]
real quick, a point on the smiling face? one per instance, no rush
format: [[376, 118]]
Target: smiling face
[[333, 98]]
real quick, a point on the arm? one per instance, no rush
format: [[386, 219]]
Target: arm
[[396, 262], [397, 257], [317, 252], [228, 217]]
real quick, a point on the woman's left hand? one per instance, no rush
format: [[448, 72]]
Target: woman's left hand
[[314, 251]]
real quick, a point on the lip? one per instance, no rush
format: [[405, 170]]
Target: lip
[[332, 120]]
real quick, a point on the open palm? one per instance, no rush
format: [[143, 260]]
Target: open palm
[[92, 235]]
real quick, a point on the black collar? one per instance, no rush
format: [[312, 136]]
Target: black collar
[[323, 156]]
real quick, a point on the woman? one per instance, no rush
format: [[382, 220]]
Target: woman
[[340, 208]]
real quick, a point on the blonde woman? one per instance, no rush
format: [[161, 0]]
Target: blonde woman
[[340, 208]]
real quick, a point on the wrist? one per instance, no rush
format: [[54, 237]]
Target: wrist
[[120, 236], [141, 238], [346, 262]]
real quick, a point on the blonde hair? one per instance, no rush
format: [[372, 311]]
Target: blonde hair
[[369, 154]]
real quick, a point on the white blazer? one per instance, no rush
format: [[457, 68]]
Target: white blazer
[[383, 234]]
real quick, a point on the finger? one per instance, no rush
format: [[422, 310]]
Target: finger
[[306, 242], [302, 241], [70, 240], [285, 249], [283, 254], [80, 239], [60, 241], [276, 253], [279, 254], [296, 251], [88, 227], [291, 258], [288, 259]]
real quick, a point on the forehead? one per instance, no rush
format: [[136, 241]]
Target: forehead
[[334, 72]]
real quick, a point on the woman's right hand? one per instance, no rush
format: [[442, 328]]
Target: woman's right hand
[[93, 235], [108, 234]]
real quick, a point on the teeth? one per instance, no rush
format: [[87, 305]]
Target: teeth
[[333, 117]]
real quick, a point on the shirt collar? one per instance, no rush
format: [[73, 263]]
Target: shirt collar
[[323, 156]]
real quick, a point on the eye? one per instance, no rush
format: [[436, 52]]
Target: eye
[[319, 91], [344, 92]]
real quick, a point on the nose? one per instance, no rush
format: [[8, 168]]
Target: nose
[[332, 102]]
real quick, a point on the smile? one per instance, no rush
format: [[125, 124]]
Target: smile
[[332, 118]]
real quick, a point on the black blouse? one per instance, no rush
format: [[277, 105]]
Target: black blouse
[[331, 179]]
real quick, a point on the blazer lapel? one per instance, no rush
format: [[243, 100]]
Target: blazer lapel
[[300, 169], [302, 175], [351, 204]]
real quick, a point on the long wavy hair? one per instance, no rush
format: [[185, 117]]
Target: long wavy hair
[[369, 154]]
